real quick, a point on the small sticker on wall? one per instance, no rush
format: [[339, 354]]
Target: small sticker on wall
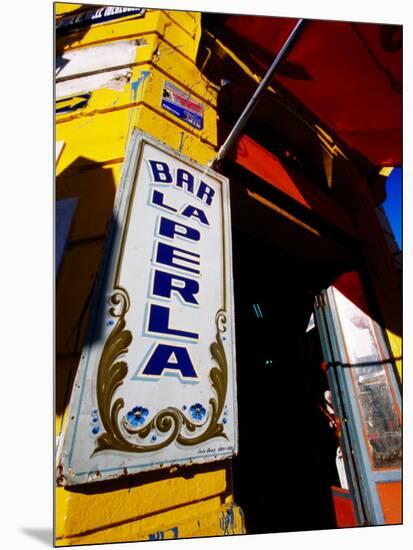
[[181, 105]]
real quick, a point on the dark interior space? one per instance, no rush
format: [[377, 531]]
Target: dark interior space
[[286, 462]]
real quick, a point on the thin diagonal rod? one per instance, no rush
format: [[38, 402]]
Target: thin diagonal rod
[[247, 112]]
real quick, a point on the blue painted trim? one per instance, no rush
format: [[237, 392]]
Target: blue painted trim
[[387, 476], [329, 347]]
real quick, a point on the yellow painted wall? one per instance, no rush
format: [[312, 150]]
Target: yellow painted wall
[[396, 347], [175, 503]]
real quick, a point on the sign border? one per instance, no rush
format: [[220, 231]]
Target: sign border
[[111, 372]]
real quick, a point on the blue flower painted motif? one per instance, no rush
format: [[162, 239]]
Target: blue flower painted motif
[[197, 411], [137, 416]]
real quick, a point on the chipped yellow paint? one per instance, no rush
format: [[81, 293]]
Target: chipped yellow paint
[[175, 136], [99, 139], [173, 28], [153, 505], [204, 518], [88, 512]]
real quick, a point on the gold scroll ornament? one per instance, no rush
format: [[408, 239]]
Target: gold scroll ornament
[[112, 372]]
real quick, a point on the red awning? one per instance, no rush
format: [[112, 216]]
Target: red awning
[[257, 160], [348, 74]]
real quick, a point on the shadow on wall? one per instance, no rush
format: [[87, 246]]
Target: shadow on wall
[[144, 478], [94, 187], [66, 40]]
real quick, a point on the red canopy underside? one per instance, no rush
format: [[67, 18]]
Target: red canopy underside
[[348, 74]]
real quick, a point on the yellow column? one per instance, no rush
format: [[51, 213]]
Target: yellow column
[[174, 503]]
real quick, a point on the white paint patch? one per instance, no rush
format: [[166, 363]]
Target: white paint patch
[[114, 80], [76, 66], [84, 60]]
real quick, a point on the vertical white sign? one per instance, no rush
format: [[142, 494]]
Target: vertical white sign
[[156, 381]]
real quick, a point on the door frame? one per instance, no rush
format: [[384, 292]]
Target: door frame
[[363, 477]]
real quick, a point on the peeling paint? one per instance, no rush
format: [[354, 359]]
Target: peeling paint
[[92, 476], [171, 533], [181, 502], [114, 80], [241, 513], [84, 70], [181, 144], [227, 522], [136, 84]]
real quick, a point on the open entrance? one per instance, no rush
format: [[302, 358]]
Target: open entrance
[[287, 447]]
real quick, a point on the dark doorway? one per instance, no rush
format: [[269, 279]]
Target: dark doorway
[[287, 450]]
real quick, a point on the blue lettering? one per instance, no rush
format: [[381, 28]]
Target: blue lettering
[[205, 193], [164, 283], [159, 323], [171, 256], [160, 171], [170, 357], [193, 212], [185, 178], [169, 228], [157, 199]]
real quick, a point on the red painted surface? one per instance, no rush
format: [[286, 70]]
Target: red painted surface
[[343, 507], [350, 285], [348, 74], [265, 165], [258, 160]]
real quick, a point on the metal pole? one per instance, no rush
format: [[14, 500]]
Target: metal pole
[[247, 112]]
